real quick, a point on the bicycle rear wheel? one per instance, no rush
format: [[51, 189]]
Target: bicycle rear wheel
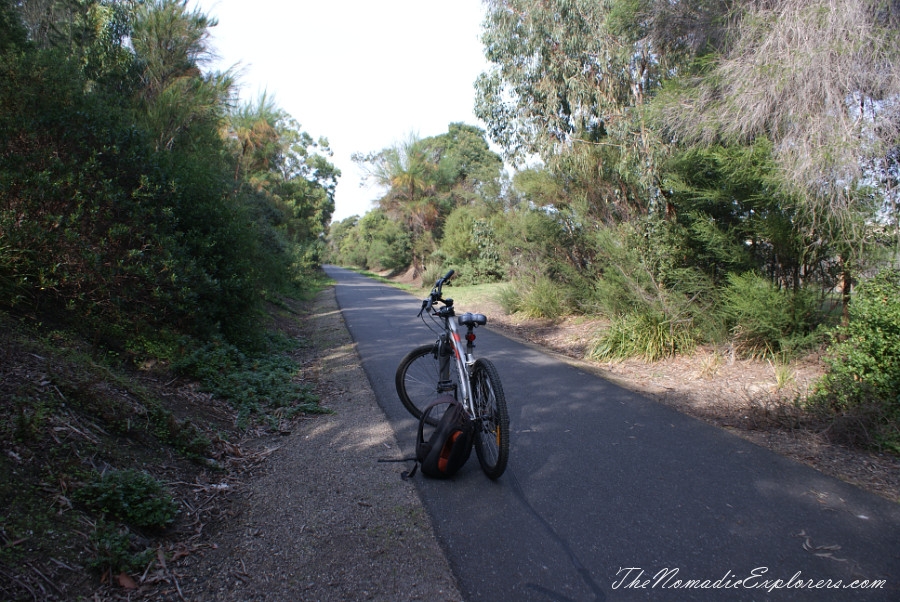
[[491, 419], [417, 380]]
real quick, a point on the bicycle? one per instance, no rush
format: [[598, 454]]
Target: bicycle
[[446, 367]]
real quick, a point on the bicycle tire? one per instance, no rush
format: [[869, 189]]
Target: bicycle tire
[[416, 380], [491, 419]]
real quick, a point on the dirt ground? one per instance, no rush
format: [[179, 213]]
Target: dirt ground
[[321, 517]]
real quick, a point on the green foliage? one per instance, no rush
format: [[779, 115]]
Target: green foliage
[[734, 216], [470, 246], [130, 496], [664, 307], [259, 384], [543, 298], [387, 245], [509, 298], [374, 242], [651, 336], [115, 550], [863, 379], [426, 179], [458, 244], [12, 34], [766, 320], [123, 204]]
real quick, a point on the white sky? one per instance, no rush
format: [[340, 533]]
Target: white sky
[[362, 73]]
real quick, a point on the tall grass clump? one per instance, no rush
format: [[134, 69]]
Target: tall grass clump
[[657, 309], [539, 298], [650, 336]]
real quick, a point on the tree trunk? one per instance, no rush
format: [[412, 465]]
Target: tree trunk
[[846, 289]]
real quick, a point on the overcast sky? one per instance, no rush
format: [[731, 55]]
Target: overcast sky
[[362, 73]]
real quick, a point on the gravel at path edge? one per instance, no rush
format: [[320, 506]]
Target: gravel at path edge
[[325, 520]]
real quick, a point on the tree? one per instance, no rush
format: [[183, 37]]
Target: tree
[[821, 81], [411, 176], [466, 162], [426, 178], [575, 72], [171, 45], [119, 201]]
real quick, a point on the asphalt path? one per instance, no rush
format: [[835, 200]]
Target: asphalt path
[[611, 496]]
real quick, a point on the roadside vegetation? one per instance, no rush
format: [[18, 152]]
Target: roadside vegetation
[[150, 227], [693, 174], [696, 174]]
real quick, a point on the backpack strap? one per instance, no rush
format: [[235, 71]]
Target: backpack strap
[[408, 474]]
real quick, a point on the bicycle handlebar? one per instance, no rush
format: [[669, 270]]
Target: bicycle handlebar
[[435, 294], [446, 278]]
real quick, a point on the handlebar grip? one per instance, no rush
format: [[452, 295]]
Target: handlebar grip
[[446, 277]]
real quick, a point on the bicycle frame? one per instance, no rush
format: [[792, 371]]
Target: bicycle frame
[[449, 346]]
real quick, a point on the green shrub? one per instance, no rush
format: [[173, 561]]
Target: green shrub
[[114, 549], [766, 320], [542, 298], [545, 298], [509, 298], [458, 243], [130, 496], [862, 386]]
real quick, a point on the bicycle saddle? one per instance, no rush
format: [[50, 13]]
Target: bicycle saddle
[[470, 319]]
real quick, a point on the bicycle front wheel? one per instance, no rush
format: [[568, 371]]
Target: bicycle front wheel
[[417, 380], [491, 419]]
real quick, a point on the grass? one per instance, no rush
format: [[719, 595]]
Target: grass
[[470, 298]]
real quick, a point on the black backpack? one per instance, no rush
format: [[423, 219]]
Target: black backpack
[[449, 446]]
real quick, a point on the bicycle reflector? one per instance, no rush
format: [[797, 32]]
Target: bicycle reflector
[[470, 336]]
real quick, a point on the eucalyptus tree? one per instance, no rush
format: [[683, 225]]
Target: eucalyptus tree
[[579, 72], [820, 79]]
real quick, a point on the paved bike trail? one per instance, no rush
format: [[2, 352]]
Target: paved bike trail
[[611, 496]]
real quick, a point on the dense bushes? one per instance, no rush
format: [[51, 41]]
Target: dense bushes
[[130, 213], [766, 320], [862, 386]]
